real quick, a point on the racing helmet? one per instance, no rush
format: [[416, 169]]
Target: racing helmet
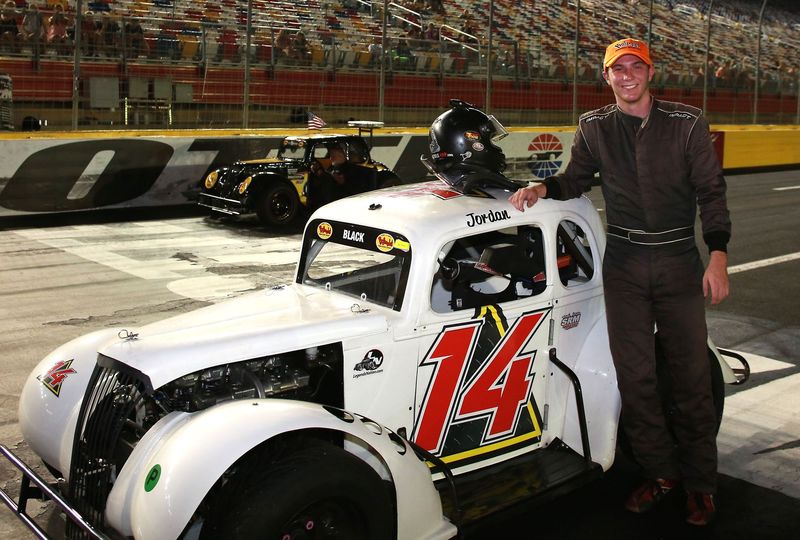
[[466, 135]]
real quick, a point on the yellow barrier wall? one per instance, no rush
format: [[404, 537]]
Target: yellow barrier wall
[[760, 146]]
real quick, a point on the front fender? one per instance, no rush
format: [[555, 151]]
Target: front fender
[[728, 374], [193, 450], [52, 395]]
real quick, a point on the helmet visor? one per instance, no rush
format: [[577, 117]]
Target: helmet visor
[[499, 130]]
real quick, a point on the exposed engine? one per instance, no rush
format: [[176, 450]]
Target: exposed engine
[[313, 374]]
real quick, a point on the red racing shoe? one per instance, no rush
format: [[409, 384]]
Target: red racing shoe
[[650, 493], [700, 508]]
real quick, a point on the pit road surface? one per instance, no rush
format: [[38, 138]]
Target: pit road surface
[[65, 276]]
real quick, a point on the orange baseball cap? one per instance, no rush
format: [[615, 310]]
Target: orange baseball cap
[[626, 46]]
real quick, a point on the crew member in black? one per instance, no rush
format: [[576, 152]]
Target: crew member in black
[[657, 164]]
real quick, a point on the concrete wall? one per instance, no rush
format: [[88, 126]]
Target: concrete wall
[[71, 171]]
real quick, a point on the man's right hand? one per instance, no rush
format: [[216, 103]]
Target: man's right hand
[[527, 197]]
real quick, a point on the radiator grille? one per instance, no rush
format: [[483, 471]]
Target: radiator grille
[[109, 410]]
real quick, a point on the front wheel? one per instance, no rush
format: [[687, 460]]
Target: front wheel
[[277, 205], [315, 492]]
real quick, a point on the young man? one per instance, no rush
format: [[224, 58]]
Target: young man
[[657, 165]]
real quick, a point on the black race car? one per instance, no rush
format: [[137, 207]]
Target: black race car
[[307, 172]]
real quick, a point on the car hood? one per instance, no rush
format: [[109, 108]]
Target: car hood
[[257, 324], [262, 161]]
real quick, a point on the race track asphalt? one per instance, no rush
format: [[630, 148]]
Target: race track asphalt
[[64, 276]]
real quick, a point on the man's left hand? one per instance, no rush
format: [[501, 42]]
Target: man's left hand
[[715, 278]]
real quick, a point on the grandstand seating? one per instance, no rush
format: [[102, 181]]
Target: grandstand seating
[[542, 31], [531, 40]]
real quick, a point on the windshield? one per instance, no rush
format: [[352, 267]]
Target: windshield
[[292, 149], [368, 264]]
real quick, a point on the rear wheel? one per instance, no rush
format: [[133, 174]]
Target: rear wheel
[[277, 205], [314, 492]]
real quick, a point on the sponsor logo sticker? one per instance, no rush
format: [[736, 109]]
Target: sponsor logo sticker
[[472, 135], [324, 230], [434, 144], [384, 242], [402, 245], [152, 478], [370, 364], [56, 375], [570, 320]]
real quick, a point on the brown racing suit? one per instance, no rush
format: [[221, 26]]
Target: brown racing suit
[[654, 174]]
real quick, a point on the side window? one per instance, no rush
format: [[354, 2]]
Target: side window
[[320, 151], [489, 268], [575, 258]]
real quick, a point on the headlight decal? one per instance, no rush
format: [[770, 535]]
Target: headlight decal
[[245, 184], [211, 179]]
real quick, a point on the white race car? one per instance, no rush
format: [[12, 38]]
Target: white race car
[[435, 349]]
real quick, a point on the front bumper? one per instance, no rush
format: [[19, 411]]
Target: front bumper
[[221, 204], [44, 491]]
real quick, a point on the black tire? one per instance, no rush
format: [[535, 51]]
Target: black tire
[[314, 492], [277, 204]]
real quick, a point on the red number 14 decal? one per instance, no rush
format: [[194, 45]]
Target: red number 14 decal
[[496, 391]]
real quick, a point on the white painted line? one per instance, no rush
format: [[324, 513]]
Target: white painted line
[[763, 262], [762, 364], [757, 439], [785, 188], [91, 174]]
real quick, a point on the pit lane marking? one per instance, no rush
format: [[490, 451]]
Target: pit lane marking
[[759, 429], [151, 255], [763, 262]]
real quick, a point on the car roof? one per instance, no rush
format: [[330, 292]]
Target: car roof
[[428, 211], [318, 137]]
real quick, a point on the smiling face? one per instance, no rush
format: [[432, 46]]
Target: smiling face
[[630, 78]]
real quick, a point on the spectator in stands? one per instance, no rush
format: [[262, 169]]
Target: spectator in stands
[[414, 33], [33, 29], [375, 50], [299, 51], [135, 44], [110, 32], [435, 6], [283, 43], [91, 32], [9, 31], [403, 57], [431, 33], [57, 37]]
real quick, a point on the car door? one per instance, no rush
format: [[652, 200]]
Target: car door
[[481, 375]]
